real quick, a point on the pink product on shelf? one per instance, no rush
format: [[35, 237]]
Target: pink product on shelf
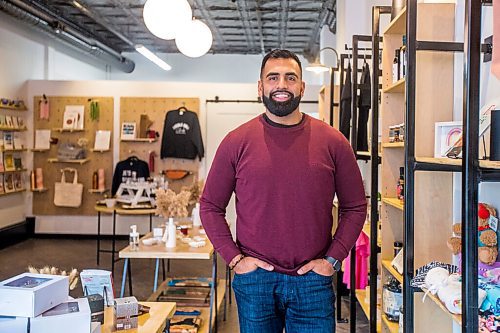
[[101, 179], [39, 178]]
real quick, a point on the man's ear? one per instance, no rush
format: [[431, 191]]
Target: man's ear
[[260, 88], [302, 89]]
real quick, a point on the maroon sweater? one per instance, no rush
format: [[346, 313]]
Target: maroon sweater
[[285, 180]]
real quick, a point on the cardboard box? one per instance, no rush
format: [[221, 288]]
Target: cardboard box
[[13, 324], [126, 313], [29, 295], [96, 303], [71, 316]]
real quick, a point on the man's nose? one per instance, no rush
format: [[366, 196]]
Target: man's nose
[[282, 84]]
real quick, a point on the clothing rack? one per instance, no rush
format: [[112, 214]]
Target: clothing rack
[[472, 172]]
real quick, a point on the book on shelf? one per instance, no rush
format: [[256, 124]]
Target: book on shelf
[[9, 183], [18, 162], [2, 188], [102, 140], [18, 139], [18, 181], [20, 122], [185, 324], [2, 167], [14, 122], [42, 139], [8, 162], [8, 122], [3, 121], [8, 140]]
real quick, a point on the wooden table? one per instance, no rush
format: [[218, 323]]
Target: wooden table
[[153, 322], [117, 210], [181, 251]]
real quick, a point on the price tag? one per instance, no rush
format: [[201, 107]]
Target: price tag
[[493, 223]]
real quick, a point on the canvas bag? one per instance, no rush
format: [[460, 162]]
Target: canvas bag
[[68, 194]]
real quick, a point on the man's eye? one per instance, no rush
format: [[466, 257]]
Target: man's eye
[[292, 78], [273, 78]]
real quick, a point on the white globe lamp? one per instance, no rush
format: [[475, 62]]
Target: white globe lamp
[[164, 18], [194, 39]]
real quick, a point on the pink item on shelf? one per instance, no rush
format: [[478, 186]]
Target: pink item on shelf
[[362, 254], [495, 64], [101, 179], [39, 178], [44, 108]]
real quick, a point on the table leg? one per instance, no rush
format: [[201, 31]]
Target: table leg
[[98, 236], [130, 278], [157, 268], [163, 269], [113, 250], [150, 222], [124, 277]]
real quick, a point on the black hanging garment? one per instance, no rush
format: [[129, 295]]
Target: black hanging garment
[[130, 169], [346, 104], [182, 135], [364, 105]]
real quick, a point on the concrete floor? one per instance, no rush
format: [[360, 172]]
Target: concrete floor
[[81, 254]]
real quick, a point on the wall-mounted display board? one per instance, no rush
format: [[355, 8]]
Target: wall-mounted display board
[[131, 109], [47, 159]]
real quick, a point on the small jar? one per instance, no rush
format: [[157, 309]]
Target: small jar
[[391, 134], [396, 133], [398, 246], [401, 132]]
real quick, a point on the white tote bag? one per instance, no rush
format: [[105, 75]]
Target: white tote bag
[[68, 194]]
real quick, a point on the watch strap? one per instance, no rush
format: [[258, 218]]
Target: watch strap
[[334, 262]]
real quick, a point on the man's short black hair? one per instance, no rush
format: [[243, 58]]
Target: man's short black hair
[[280, 54]]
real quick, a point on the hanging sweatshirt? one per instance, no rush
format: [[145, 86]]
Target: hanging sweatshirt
[[182, 136], [130, 169], [285, 180]]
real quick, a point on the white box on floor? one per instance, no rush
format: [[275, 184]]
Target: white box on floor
[[14, 324], [29, 295], [95, 327], [71, 316]]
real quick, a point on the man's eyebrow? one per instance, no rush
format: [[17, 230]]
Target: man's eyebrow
[[276, 73]]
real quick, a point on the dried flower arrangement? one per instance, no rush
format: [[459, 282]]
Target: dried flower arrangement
[[73, 275], [195, 189], [170, 204]]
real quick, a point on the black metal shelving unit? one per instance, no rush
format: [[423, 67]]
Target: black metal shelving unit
[[472, 172], [370, 53]]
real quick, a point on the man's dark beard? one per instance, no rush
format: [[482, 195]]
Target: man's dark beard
[[281, 109]]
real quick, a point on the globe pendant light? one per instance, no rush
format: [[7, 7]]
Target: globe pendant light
[[194, 39], [164, 18]]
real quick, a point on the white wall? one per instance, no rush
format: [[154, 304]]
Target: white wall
[[117, 89]]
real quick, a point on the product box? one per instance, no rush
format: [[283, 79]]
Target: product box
[[71, 316], [13, 324], [95, 328], [96, 303], [29, 295], [126, 313]]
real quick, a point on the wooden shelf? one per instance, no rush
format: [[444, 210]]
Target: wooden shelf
[[488, 164], [67, 130], [39, 190], [98, 191], [394, 202], [55, 160], [39, 150], [396, 87], [14, 171], [99, 150], [398, 25], [13, 129], [13, 150], [13, 192], [12, 108], [139, 140], [387, 265], [439, 160], [393, 145], [361, 297], [392, 326], [435, 299]]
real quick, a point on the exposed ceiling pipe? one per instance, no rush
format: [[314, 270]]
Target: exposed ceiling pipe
[[102, 21], [259, 23], [53, 25], [245, 22], [313, 45], [208, 16], [284, 22]]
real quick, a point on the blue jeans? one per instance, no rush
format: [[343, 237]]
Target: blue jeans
[[269, 301]]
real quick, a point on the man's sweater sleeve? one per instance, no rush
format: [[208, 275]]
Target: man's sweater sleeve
[[352, 202], [219, 187]]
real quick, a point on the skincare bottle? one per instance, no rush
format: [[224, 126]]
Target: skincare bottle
[[172, 234], [134, 238], [400, 189], [196, 215]]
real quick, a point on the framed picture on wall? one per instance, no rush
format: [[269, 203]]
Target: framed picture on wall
[[129, 131], [446, 135]]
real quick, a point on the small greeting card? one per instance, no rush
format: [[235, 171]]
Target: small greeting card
[[102, 140], [129, 131]]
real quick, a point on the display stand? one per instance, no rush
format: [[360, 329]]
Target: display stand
[[135, 193]]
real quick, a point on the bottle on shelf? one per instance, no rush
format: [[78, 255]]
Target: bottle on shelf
[[392, 299], [395, 67], [398, 246], [400, 188], [33, 180], [402, 59], [94, 180], [172, 234]]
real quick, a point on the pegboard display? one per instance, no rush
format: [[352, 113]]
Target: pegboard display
[[43, 202], [131, 109]]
